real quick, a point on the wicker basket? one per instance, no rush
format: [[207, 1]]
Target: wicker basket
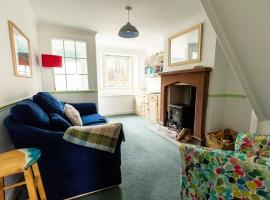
[[221, 139]]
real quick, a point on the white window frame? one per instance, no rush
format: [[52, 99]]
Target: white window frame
[[63, 57], [120, 89]]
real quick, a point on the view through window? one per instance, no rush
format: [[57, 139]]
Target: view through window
[[74, 73], [117, 71]]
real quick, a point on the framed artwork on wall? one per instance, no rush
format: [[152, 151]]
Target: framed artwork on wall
[[21, 53]]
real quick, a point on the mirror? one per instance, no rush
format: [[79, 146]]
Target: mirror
[[185, 47], [20, 46]]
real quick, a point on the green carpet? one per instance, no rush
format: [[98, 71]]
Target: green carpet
[[150, 165]]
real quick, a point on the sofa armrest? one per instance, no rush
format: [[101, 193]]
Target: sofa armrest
[[85, 108], [212, 174]]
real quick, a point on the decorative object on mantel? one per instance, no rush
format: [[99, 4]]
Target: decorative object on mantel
[[128, 30], [185, 47], [51, 61], [221, 139], [21, 53]]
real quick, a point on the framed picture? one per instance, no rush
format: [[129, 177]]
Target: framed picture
[[21, 53], [185, 47]]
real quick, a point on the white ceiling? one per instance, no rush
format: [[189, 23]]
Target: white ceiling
[[153, 18]]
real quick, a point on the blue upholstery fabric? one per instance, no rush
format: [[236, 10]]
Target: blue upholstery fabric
[[49, 103], [67, 169], [28, 112], [85, 108], [93, 119], [58, 122]]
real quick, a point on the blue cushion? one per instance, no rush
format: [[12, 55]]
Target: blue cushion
[[93, 119], [28, 112], [59, 123], [49, 103]]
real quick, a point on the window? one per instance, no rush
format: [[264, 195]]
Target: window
[[74, 73], [117, 71]]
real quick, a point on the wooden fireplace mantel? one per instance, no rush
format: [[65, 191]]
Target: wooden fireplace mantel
[[197, 77]]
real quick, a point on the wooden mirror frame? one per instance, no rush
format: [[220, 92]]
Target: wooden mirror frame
[[199, 27], [12, 26]]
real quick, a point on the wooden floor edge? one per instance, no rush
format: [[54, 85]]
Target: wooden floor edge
[[81, 195]]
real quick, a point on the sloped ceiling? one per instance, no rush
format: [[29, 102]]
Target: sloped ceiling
[[243, 29], [152, 18]]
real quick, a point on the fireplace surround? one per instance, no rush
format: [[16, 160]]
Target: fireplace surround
[[197, 77]]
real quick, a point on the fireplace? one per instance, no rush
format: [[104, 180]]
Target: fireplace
[[178, 105], [181, 108]]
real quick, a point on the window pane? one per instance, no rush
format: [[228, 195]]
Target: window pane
[[111, 71], [60, 70], [72, 82], [57, 47], [80, 49], [60, 82], [83, 82], [82, 66], [123, 70], [69, 48], [70, 65]]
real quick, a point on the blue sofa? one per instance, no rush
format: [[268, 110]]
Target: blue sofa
[[67, 169]]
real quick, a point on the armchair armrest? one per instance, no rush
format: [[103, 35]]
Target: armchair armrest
[[85, 108], [253, 144], [218, 174]]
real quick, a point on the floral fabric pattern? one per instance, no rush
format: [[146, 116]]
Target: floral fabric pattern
[[253, 144], [223, 175]]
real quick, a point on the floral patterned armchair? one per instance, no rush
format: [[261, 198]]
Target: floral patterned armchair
[[223, 175]]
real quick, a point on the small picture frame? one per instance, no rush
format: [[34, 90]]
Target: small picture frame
[[21, 53]]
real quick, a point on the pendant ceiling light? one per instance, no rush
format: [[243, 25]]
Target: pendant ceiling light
[[128, 30]]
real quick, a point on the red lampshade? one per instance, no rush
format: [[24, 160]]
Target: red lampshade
[[51, 61]]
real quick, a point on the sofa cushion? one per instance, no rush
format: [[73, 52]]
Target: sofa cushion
[[49, 103], [73, 115], [28, 112], [58, 122], [93, 119]]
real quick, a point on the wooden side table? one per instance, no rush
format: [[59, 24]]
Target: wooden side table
[[22, 161]]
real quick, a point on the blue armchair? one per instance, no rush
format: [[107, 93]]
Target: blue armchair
[[67, 169]]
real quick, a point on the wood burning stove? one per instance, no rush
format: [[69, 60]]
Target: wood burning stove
[[181, 116]]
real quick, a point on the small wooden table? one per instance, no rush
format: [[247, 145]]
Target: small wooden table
[[22, 161]]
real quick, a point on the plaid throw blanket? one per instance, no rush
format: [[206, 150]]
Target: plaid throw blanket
[[103, 137]]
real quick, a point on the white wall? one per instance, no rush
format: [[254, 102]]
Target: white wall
[[264, 127], [235, 110], [48, 31], [115, 102], [13, 87]]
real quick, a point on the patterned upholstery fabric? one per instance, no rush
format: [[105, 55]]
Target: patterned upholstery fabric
[[223, 175], [253, 144]]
